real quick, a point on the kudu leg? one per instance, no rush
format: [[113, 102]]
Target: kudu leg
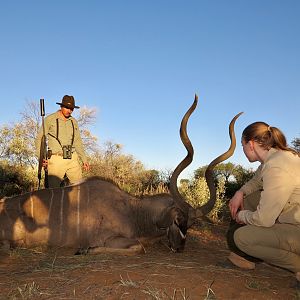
[[119, 245]]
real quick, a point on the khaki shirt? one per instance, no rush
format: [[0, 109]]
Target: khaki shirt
[[65, 134], [279, 177]]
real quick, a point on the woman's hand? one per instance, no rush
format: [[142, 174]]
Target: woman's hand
[[236, 203], [237, 219]]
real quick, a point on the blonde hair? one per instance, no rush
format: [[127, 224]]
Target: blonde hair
[[266, 136]]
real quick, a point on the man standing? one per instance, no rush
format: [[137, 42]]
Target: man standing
[[65, 149]]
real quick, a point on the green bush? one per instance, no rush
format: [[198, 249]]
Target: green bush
[[196, 194], [15, 180]]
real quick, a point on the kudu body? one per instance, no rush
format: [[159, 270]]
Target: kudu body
[[97, 216]]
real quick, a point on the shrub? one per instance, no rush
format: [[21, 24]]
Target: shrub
[[15, 180], [196, 194]]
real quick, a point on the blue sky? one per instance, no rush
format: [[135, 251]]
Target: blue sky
[[141, 62]]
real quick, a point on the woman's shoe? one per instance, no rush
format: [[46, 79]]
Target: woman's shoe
[[241, 262]]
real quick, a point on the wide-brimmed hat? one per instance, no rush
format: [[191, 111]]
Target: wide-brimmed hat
[[68, 102]]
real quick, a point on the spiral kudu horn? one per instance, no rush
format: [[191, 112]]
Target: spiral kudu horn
[[207, 207], [184, 206]]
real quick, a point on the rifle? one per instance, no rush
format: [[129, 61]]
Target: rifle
[[43, 149]]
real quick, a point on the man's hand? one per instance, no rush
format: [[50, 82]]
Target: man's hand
[[86, 166], [45, 164], [236, 203]]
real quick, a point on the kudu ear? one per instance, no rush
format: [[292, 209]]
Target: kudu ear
[[169, 215]]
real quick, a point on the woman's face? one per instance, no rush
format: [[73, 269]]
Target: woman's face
[[248, 149]]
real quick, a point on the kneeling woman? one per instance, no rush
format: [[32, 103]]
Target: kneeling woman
[[266, 210]]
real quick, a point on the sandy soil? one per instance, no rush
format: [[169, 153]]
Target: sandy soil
[[158, 274]]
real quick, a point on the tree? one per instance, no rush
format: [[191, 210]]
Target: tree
[[234, 176], [5, 137], [200, 172], [225, 170], [21, 149], [16, 146], [86, 118], [242, 175], [15, 179]]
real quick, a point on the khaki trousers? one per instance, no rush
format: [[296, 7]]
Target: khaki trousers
[[278, 245], [59, 167]]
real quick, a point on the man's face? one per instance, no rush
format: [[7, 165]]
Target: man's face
[[67, 112]]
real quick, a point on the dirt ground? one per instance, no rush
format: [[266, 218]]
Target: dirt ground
[[158, 274]]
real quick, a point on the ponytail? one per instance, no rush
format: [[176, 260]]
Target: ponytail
[[267, 137]]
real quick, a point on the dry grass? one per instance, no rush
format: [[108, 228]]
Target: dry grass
[[57, 274], [154, 293], [27, 291]]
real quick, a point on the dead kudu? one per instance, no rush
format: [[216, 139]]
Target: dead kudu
[[96, 216]]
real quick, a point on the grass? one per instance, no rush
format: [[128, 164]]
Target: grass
[[26, 291], [210, 294], [257, 285], [154, 293], [128, 282], [253, 285], [55, 274], [178, 294]]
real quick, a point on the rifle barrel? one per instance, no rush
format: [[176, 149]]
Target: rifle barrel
[[42, 105], [43, 148]]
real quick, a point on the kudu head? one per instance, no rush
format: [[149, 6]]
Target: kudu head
[[183, 215], [174, 222]]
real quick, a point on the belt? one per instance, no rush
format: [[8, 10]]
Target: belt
[[50, 153], [58, 154]]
